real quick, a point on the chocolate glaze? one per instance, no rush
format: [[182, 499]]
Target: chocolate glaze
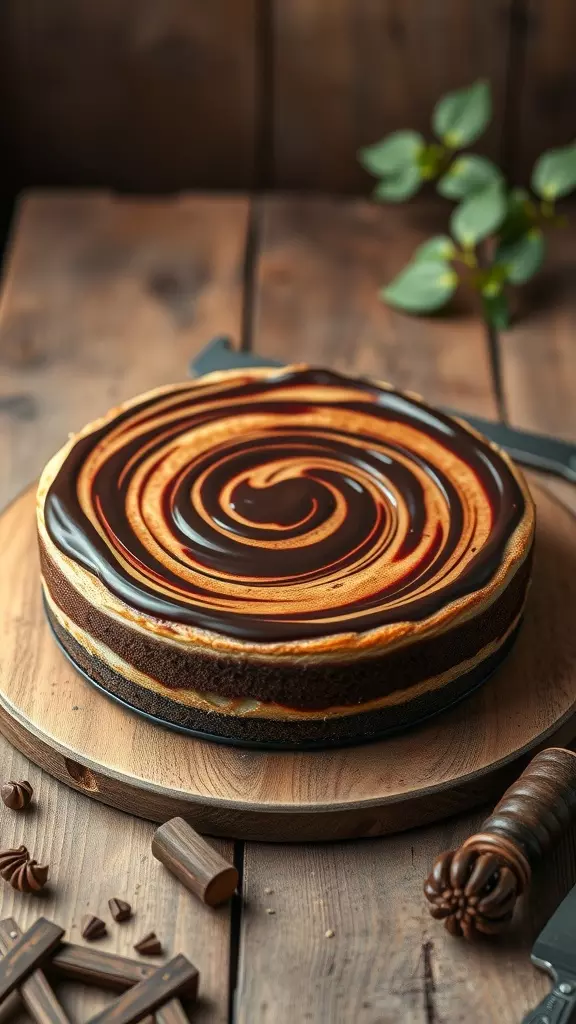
[[285, 509]]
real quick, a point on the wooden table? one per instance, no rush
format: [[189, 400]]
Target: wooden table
[[107, 296]]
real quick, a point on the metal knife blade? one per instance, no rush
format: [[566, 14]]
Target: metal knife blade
[[555, 952], [536, 451]]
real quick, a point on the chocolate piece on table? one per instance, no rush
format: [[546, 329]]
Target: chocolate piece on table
[[35, 991], [16, 795], [175, 978], [21, 871], [120, 909], [150, 945], [93, 927], [28, 952], [197, 864]]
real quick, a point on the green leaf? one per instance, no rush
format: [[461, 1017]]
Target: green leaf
[[441, 247], [496, 311], [392, 153], [422, 286], [402, 185], [478, 216], [460, 117], [554, 173], [467, 174], [522, 257]]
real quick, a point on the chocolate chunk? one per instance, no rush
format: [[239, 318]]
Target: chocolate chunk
[[119, 909], [93, 927], [150, 945]]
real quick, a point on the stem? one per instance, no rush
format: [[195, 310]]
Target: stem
[[494, 355], [467, 257]]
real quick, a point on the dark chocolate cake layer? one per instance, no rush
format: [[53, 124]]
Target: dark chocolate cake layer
[[284, 733], [290, 543]]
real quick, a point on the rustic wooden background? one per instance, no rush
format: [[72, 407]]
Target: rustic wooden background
[[159, 96]]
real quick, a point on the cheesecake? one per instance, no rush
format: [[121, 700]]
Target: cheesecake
[[285, 556]]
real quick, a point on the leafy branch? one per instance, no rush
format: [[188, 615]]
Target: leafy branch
[[497, 232]]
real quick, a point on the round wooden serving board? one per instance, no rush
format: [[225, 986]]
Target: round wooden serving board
[[456, 760]]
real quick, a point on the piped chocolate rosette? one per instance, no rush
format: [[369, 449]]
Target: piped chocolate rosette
[[287, 556]]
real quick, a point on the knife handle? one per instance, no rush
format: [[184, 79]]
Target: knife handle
[[558, 1007]]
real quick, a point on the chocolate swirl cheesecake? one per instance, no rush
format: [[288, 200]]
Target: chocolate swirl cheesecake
[[284, 556]]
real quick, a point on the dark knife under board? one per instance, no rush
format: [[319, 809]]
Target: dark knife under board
[[555, 952], [536, 451]]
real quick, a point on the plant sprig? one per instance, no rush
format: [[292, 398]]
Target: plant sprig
[[497, 235]]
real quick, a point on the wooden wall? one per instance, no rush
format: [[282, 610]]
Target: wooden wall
[[168, 94]]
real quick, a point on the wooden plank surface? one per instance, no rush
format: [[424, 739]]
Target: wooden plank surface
[[95, 853], [320, 265], [133, 94], [347, 73], [102, 299], [388, 961], [318, 269], [538, 354]]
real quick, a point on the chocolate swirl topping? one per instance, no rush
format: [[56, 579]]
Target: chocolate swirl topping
[[284, 506]]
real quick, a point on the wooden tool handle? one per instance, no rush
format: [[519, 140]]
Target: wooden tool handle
[[536, 810], [474, 889]]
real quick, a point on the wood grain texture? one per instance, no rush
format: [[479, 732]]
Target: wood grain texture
[[163, 985], [387, 961], [545, 80], [345, 74], [194, 861], [320, 266], [451, 762], [101, 299], [132, 95], [104, 298], [35, 992], [538, 355], [28, 952], [94, 851], [94, 966]]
